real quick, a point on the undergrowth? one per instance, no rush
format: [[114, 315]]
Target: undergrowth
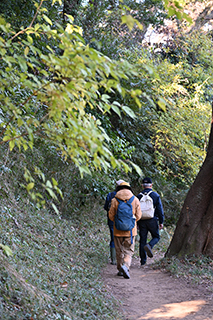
[[192, 269], [54, 272]]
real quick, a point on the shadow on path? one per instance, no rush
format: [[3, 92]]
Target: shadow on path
[[155, 295]]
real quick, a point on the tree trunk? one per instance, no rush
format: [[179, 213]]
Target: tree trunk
[[194, 230]]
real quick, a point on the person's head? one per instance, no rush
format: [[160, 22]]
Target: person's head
[[119, 182], [147, 182], [123, 185]]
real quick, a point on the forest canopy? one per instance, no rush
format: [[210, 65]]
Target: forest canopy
[[81, 79]]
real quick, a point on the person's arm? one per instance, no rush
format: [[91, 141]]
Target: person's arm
[[138, 213], [107, 202], [159, 212], [113, 209]]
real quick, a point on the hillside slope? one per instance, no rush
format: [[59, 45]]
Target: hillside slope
[[54, 272]]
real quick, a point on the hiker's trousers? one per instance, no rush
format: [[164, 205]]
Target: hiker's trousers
[[145, 226], [111, 244], [124, 250]]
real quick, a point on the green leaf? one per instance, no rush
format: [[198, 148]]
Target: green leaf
[[84, 169], [47, 19], [55, 183], [129, 111], [6, 250], [51, 193], [136, 167], [22, 63], [55, 208], [49, 184], [30, 186], [171, 12], [116, 110], [55, 1], [26, 51], [162, 104], [128, 20], [12, 144], [6, 138]]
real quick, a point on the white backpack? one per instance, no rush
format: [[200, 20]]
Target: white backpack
[[147, 207]]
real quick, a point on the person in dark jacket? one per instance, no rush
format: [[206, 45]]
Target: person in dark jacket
[[152, 225], [110, 223]]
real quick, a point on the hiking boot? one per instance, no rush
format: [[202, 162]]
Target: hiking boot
[[148, 250], [120, 273], [125, 271], [113, 256]]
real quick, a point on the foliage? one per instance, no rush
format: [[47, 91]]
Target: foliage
[[50, 97], [176, 9], [194, 269], [66, 109], [113, 28], [170, 133], [182, 130], [19, 13], [66, 100], [54, 272], [174, 121]]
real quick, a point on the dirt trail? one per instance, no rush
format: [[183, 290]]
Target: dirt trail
[[155, 295]]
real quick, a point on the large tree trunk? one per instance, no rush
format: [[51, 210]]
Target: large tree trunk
[[194, 230]]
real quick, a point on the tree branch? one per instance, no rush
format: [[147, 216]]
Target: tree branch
[[22, 31]]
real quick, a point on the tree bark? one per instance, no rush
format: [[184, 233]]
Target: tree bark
[[194, 230]]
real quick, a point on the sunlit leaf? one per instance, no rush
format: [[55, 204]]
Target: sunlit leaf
[[6, 250], [30, 186], [129, 111], [55, 208]]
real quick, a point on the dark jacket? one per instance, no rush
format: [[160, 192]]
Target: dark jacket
[[159, 214], [107, 204]]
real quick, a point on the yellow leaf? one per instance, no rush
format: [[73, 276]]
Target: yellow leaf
[[30, 186], [6, 249], [128, 20], [26, 51]]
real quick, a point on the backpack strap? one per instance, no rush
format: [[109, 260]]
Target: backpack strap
[[131, 237], [131, 199], [119, 200], [146, 194]]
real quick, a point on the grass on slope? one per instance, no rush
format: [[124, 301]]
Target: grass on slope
[[54, 272]]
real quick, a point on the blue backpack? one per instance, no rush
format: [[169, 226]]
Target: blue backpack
[[124, 218]]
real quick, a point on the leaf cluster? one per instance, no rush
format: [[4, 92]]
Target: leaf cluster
[[50, 96]]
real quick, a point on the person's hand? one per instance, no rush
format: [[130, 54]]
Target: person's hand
[[160, 226]]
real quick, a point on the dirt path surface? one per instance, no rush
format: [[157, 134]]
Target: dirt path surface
[[155, 295]]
